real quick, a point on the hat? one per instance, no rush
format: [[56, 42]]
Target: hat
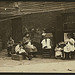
[[62, 44]]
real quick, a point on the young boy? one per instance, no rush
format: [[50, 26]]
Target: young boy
[[10, 44]]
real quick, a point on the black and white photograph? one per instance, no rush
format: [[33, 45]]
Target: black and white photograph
[[37, 37]]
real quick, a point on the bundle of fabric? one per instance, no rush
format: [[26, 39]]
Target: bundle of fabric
[[30, 47]]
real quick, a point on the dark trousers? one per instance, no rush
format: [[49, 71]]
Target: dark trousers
[[9, 49], [74, 53], [25, 55], [67, 55]]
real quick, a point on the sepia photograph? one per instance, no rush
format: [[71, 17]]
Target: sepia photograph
[[37, 37]]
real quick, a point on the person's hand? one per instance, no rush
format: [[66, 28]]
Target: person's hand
[[45, 47]]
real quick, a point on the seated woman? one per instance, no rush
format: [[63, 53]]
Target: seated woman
[[46, 42], [30, 49], [46, 45], [10, 44], [20, 50]]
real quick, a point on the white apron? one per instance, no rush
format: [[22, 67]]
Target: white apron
[[69, 47]]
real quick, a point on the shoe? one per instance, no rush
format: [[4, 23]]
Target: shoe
[[30, 58]]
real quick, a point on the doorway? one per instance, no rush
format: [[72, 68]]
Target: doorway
[[17, 29]]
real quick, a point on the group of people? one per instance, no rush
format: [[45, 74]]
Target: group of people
[[66, 49], [27, 49], [24, 47]]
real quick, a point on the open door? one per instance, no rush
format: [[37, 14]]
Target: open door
[[17, 29], [59, 35]]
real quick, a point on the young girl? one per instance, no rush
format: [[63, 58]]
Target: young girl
[[69, 48], [59, 50]]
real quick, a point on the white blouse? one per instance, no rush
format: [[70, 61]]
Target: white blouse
[[69, 47], [46, 43]]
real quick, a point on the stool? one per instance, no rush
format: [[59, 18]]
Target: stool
[[46, 53], [16, 57]]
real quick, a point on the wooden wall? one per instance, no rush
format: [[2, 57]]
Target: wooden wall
[[5, 31], [52, 21]]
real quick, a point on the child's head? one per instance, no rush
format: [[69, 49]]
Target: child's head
[[69, 35], [58, 45], [21, 46], [61, 45]]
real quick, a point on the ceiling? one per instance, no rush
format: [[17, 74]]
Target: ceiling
[[11, 8]]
